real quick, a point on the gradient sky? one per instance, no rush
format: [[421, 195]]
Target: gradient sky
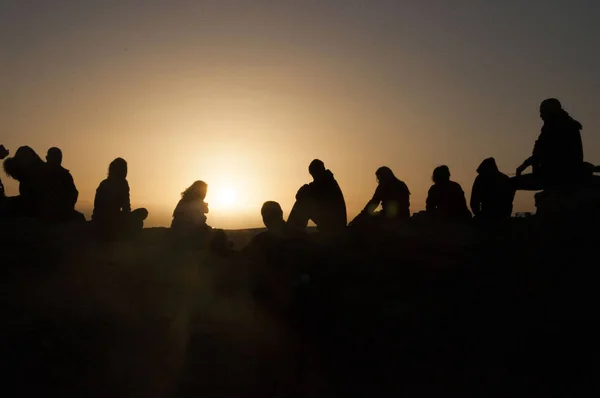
[[244, 94]]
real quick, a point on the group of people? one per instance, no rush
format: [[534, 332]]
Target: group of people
[[47, 190]]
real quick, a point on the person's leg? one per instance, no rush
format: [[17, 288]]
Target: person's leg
[[134, 222], [300, 214], [527, 182]]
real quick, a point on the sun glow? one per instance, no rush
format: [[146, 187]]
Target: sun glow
[[224, 197]]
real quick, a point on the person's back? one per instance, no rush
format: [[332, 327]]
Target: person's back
[[557, 158], [446, 198], [112, 198], [112, 214], [189, 215], [395, 199], [492, 194], [325, 191], [63, 193]]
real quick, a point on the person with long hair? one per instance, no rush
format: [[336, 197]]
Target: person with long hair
[[190, 213], [393, 196], [112, 214], [446, 198]]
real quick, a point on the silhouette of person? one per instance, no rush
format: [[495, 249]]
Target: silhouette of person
[[321, 201], [63, 192], [557, 158], [392, 194], [3, 154], [446, 199], [190, 214], [30, 171], [492, 194], [112, 214], [276, 257], [277, 230]]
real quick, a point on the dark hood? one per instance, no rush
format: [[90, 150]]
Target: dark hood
[[563, 119], [488, 166]]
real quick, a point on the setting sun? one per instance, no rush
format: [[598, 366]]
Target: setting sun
[[224, 197]]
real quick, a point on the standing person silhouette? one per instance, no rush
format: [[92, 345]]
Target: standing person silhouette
[[557, 158]]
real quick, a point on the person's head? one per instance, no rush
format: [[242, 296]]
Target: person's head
[[271, 213], [549, 108], [384, 174], [3, 152], [54, 156], [441, 174], [25, 162], [316, 168], [118, 169], [488, 166], [196, 191]]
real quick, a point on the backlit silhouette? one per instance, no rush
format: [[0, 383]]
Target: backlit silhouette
[[30, 171], [492, 193], [113, 217], [392, 194], [446, 199], [62, 188], [321, 201], [557, 157]]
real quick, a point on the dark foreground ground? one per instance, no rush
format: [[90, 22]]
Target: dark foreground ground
[[424, 311]]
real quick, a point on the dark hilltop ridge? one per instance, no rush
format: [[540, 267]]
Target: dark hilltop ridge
[[444, 308]]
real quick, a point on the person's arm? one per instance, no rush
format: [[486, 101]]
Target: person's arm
[[374, 202], [535, 157]]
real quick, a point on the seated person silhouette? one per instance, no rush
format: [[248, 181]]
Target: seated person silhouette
[[63, 192], [492, 194], [112, 216], [321, 201], [557, 158], [392, 194], [446, 199], [190, 214], [30, 171]]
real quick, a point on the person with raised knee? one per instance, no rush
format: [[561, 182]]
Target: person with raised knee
[[321, 201]]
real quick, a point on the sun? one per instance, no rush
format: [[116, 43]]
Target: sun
[[225, 197]]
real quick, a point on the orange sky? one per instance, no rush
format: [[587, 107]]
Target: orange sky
[[244, 96]]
